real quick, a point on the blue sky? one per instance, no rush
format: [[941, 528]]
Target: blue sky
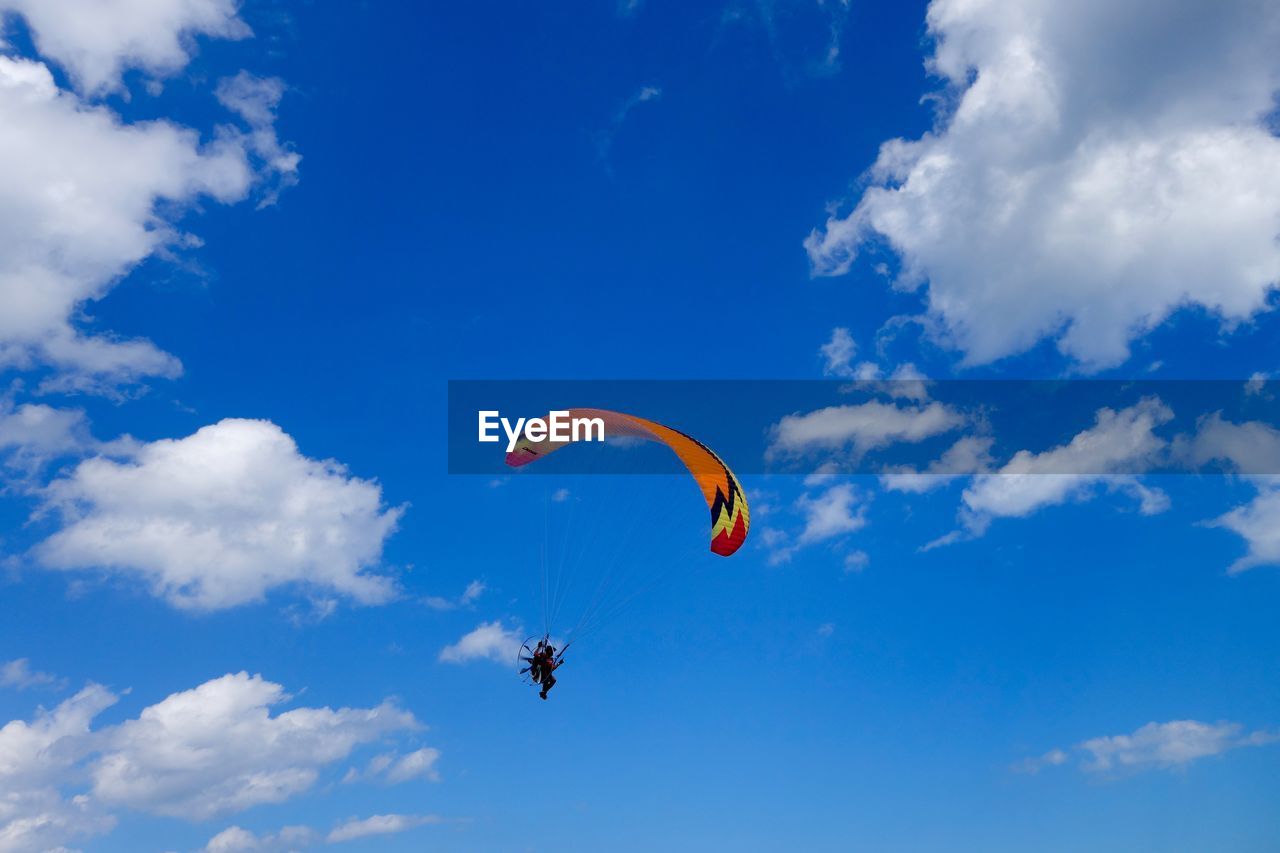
[[245, 607]]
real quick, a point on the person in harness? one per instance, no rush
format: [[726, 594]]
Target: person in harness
[[542, 663], [538, 662], [550, 664]]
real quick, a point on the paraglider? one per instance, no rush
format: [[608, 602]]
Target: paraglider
[[730, 518]]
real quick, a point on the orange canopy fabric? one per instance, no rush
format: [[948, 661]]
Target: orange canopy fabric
[[730, 518]]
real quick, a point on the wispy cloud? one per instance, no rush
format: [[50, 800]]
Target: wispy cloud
[[1163, 746], [828, 514], [838, 352], [19, 675], [383, 824], [474, 590], [604, 139]]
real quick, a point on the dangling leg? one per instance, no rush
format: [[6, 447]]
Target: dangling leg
[[548, 681]]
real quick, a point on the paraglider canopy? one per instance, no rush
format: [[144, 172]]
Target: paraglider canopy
[[730, 518]]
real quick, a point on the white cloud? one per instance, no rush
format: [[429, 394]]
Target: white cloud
[[96, 41], [837, 353], [560, 495], [489, 641], [1252, 448], [394, 768], [198, 753], [969, 455], [860, 428], [830, 514], [777, 543], [1256, 385], [255, 100], [1085, 181], [383, 824], [217, 749], [222, 517], [474, 590], [1119, 441], [19, 675], [70, 229], [235, 839], [1052, 758], [856, 561], [40, 821], [1168, 745], [39, 752], [35, 758], [1164, 746], [1258, 523], [833, 513], [33, 433], [419, 764]]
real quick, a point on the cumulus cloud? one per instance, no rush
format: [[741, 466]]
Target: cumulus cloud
[[95, 42], [69, 227], [35, 758], [1166, 746], [217, 749], [489, 641], [72, 227], [222, 517], [196, 754], [1083, 180]]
